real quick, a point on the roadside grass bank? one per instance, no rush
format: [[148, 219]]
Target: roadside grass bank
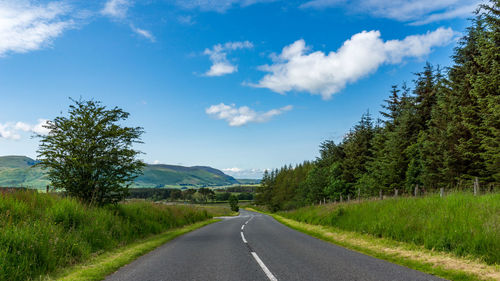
[[41, 233], [455, 218], [459, 223], [99, 267]]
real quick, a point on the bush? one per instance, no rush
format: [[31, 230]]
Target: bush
[[233, 203]]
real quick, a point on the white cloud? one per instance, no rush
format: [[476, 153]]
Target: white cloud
[[23, 126], [39, 129], [7, 132], [326, 74], [144, 33], [26, 26], [218, 56], [414, 11], [232, 170], [243, 115], [11, 130], [244, 173], [217, 5], [458, 12], [116, 8]]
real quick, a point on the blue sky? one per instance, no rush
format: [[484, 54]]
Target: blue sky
[[239, 85]]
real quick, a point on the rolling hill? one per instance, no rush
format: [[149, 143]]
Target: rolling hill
[[19, 171]]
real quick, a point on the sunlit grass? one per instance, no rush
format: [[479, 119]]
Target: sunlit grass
[[40, 233], [460, 223]]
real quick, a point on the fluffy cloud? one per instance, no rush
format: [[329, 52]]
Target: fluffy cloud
[[243, 115], [217, 5], [7, 132], [218, 56], [232, 170], [413, 11], [26, 26], [144, 33], [11, 130], [326, 74], [116, 8], [244, 173]]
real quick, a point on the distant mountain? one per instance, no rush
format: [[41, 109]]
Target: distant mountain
[[16, 162], [18, 171], [165, 175]]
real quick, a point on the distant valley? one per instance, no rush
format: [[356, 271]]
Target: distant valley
[[17, 171]]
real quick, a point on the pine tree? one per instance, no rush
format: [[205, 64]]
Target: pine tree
[[357, 149]]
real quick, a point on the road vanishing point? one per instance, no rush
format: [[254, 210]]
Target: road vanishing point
[[255, 247]]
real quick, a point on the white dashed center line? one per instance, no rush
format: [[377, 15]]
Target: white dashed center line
[[243, 238], [255, 256], [264, 267]]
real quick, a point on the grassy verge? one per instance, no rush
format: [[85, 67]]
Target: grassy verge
[[42, 233], [446, 265], [460, 223], [101, 266]]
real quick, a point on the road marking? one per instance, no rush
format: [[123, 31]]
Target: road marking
[[264, 267], [248, 220], [243, 238], [243, 226]]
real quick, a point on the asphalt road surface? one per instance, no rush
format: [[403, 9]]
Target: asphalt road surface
[[256, 247]]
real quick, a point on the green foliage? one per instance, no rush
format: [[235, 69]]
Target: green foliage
[[41, 232], [89, 155], [460, 223], [155, 194], [443, 133], [233, 203]]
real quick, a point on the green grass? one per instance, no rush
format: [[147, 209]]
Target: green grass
[[40, 233], [103, 265], [460, 223]]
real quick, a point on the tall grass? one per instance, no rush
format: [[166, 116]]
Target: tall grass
[[42, 232], [460, 223]]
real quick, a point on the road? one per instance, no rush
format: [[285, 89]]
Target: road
[[256, 247]]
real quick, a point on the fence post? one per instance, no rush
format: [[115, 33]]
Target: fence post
[[359, 194], [395, 192], [416, 190], [324, 200], [476, 186], [348, 197], [47, 189], [441, 192], [380, 194]]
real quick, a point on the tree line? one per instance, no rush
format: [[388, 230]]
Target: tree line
[[200, 195], [442, 132]]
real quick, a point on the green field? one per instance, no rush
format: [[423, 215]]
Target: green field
[[460, 223], [40, 233]]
